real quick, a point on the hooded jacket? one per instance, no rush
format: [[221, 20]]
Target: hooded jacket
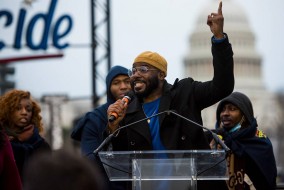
[[90, 128], [250, 144]]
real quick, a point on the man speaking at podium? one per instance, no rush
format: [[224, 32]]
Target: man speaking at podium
[[153, 95]]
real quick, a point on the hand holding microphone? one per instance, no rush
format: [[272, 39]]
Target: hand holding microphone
[[118, 110]]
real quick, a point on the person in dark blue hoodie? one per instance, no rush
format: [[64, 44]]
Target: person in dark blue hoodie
[[251, 164], [90, 128]]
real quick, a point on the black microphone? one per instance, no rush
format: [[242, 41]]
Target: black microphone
[[215, 136], [126, 99], [108, 139]]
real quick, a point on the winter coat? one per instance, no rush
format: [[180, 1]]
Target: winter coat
[[188, 98], [24, 151], [250, 145], [91, 127], [9, 174]]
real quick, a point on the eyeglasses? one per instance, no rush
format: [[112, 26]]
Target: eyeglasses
[[141, 70]]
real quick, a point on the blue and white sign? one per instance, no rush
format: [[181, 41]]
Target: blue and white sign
[[51, 28]]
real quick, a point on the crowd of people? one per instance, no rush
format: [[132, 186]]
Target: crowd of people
[[28, 162]]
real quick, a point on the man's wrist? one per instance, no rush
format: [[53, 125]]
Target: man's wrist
[[218, 40], [110, 130], [219, 36]]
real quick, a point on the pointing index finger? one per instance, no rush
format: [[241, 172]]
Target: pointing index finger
[[220, 8]]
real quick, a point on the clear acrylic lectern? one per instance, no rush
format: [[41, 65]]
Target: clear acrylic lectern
[[174, 169]]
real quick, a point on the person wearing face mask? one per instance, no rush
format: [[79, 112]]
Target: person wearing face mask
[[22, 122], [251, 163]]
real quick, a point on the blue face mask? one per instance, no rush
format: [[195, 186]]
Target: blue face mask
[[234, 129], [238, 126]]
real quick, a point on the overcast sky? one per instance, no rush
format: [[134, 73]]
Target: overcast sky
[[137, 25]]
